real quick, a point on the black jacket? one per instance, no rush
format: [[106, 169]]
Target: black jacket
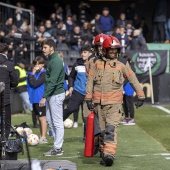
[[8, 76]]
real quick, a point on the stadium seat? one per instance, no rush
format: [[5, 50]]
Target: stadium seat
[[73, 56], [62, 46]]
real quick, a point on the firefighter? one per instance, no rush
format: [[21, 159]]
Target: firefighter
[[98, 41], [104, 93]]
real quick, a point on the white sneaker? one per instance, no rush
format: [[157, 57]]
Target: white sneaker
[[75, 125], [130, 122], [125, 120], [43, 140]]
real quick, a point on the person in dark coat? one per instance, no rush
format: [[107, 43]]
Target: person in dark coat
[[106, 21], [138, 42], [167, 24], [159, 19], [9, 77]]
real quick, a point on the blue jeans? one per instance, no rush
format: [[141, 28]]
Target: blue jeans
[[167, 29], [54, 116], [26, 101]]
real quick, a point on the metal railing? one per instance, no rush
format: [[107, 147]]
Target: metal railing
[[5, 8]]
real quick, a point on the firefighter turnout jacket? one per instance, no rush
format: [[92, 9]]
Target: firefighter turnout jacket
[[106, 78]]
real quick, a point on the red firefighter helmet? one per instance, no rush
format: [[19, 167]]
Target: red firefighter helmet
[[98, 40], [111, 42]]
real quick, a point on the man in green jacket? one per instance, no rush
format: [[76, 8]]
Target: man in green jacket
[[54, 96]]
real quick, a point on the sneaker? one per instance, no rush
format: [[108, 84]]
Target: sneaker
[[50, 133], [75, 125], [36, 126], [124, 121], [43, 140], [130, 122], [53, 152]]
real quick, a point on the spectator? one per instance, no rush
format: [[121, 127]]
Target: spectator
[[144, 28], [75, 20], [128, 99], [116, 31], [2, 37], [9, 77], [42, 35], [49, 29], [84, 12], [68, 11], [87, 36], [159, 19], [138, 41], [106, 22], [61, 32], [129, 29], [130, 11], [7, 27], [20, 51], [59, 13], [69, 24], [167, 24], [95, 25], [54, 96], [19, 15], [123, 39], [122, 21], [53, 19], [76, 39], [22, 86], [36, 80], [37, 17]]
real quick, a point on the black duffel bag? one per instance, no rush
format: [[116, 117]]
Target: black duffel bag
[[12, 148], [14, 145]]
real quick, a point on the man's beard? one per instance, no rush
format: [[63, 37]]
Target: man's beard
[[111, 56]]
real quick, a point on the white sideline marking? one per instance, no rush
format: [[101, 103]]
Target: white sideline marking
[[136, 155], [168, 158], [163, 154], [70, 157], [162, 108]]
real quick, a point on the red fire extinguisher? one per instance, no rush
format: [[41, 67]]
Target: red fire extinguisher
[[89, 142]]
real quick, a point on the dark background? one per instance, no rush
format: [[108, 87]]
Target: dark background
[[44, 8]]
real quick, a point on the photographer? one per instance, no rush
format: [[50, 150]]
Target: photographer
[[9, 77]]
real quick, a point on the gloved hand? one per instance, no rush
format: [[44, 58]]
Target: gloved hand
[[90, 104], [139, 103]]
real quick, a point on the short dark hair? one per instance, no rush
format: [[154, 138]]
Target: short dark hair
[[23, 61], [86, 47], [49, 42], [38, 59], [3, 47]]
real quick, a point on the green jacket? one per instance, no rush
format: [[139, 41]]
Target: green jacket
[[54, 78]]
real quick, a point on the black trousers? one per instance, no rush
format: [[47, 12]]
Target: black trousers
[[74, 103], [7, 120], [76, 113], [128, 106]]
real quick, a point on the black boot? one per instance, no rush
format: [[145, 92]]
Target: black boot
[[108, 160], [96, 145]]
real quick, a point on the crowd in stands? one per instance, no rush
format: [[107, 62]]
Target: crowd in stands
[[70, 31]]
